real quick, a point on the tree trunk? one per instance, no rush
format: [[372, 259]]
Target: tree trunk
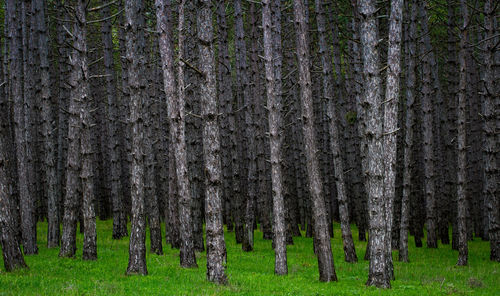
[[225, 93], [373, 100], [409, 127], [175, 106], [461, 134], [216, 247], [135, 55], [272, 13], [71, 202], [428, 138], [12, 255], [324, 251], [391, 122], [338, 163], [490, 149], [48, 128], [151, 164], [86, 123], [119, 230]]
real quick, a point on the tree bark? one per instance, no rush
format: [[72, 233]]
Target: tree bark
[[323, 251], [490, 149], [216, 247], [409, 128], [86, 123], [225, 95], [461, 136], [428, 138], [391, 122], [119, 219], [175, 106], [333, 121], [135, 55], [71, 202], [373, 100], [12, 255], [272, 13]]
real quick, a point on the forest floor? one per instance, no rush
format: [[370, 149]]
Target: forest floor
[[430, 271]]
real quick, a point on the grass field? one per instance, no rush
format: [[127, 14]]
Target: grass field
[[430, 272]]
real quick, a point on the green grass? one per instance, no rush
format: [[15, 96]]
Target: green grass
[[430, 272]]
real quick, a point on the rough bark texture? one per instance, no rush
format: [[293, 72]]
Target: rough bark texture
[[333, 129], [86, 147], [119, 218], [187, 255], [409, 128], [25, 197], [323, 249], [225, 95], [275, 134], [216, 247], [461, 134], [391, 122], [71, 198], [150, 163], [373, 101], [48, 130], [428, 138], [361, 125], [135, 56], [11, 251], [175, 106], [490, 150]]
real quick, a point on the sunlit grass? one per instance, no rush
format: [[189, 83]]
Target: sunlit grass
[[430, 271]]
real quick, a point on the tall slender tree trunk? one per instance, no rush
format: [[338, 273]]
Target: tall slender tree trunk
[[86, 123], [225, 94], [12, 255], [119, 219], [187, 255], [428, 138], [463, 252], [391, 122], [490, 150], [373, 101], [451, 148], [216, 247], [175, 105], [409, 128], [135, 55], [349, 250], [270, 15], [361, 124], [48, 128], [71, 201], [25, 196], [324, 249]]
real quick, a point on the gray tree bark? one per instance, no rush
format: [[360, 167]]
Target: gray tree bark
[[463, 252], [428, 138], [48, 128], [71, 198], [86, 123], [216, 247], [323, 250], [374, 133], [135, 55], [119, 217], [392, 90], [275, 134], [12, 255], [490, 149], [409, 130], [333, 122]]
